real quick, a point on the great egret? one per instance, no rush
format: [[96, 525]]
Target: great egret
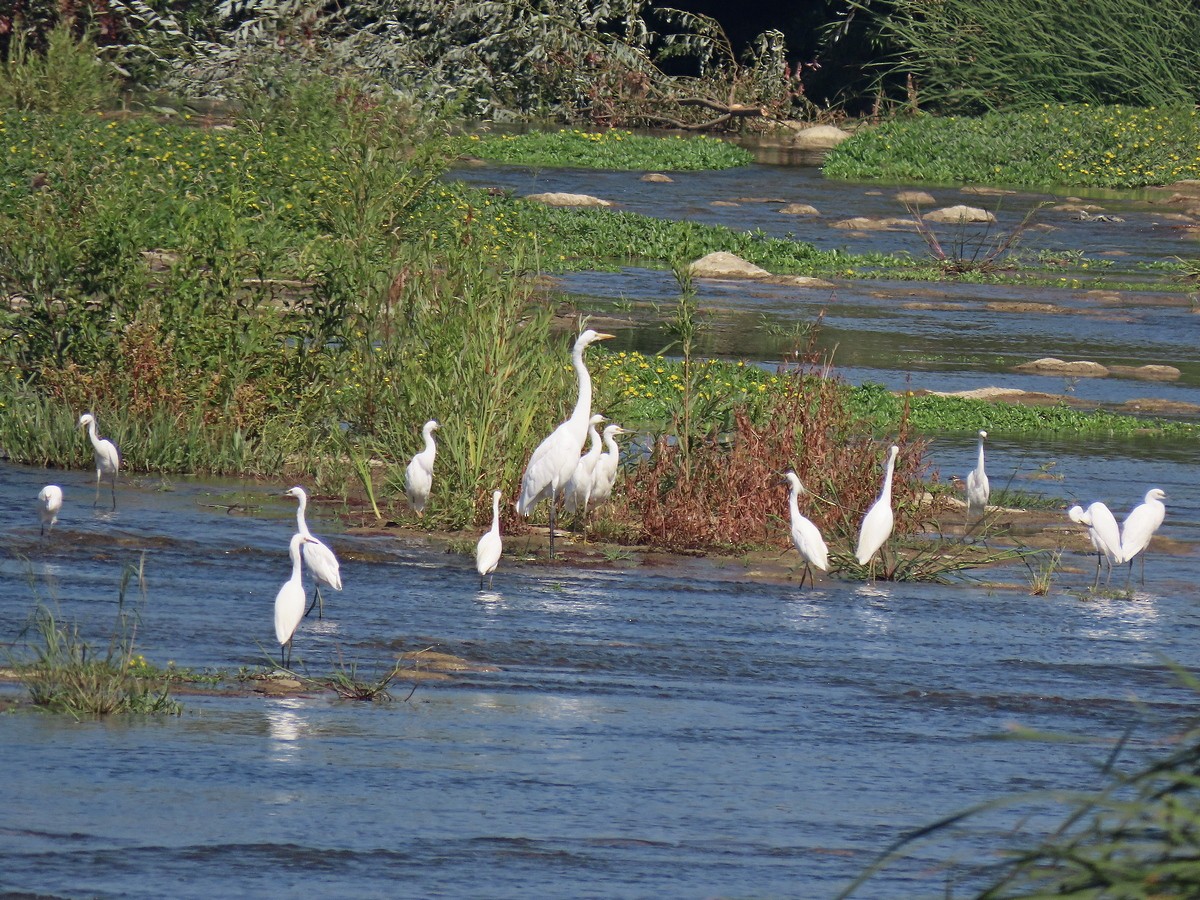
[[487, 551], [554, 460], [418, 477], [578, 489], [321, 562], [978, 489], [1139, 527], [108, 460], [1102, 529], [289, 602], [877, 523], [809, 543], [607, 465], [49, 503]]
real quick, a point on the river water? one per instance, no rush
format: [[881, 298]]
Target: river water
[[645, 731]]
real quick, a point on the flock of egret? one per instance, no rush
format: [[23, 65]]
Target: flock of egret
[[559, 466]]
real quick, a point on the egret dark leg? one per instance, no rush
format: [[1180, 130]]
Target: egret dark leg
[[320, 603], [552, 528], [1143, 555], [96, 502], [114, 491], [1096, 580]]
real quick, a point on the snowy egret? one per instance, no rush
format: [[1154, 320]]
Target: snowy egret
[[578, 489], [877, 523], [108, 460], [418, 477], [805, 535], [1139, 527], [1102, 529], [487, 551], [321, 562], [555, 458], [978, 489], [289, 602], [607, 465], [49, 503]]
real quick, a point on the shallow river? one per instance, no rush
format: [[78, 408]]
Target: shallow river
[[665, 731], [677, 731]]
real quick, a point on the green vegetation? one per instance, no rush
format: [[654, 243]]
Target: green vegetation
[[977, 55], [1091, 146], [644, 390], [67, 674], [609, 150]]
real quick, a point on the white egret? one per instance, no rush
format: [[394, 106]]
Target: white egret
[[877, 523], [49, 503], [978, 489], [418, 477], [321, 562], [1139, 527], [578, 489], [607, 465], [1104, 533], [554, 460], [289, 602], [805, 535], [487, 551], [108, 460]]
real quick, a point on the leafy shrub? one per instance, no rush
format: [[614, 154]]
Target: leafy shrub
[[67, 76]]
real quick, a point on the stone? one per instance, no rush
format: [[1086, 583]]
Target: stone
[[915, 198], [726, 265], [1049, 365], [799, 209], [1147, 373], [555, 198], [657, 178], [819, 137], [959, 215]]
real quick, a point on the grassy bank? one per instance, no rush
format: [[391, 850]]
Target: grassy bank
[[1054, 144]]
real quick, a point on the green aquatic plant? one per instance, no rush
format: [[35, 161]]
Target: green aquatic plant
[[609, 149], [69, 675]]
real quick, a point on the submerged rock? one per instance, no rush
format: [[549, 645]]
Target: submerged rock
[[1050, 365], [959, 215], [819, 137], [726, 265], [558, 198]]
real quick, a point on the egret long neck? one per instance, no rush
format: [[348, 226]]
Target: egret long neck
[[301, 525], [294, 552], [495, 512], [583, 405], [981, 453], [886, 493], [794, 504], [430, 446]]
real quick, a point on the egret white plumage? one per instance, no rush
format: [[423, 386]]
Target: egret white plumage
[[1140, 525], [578, 489], [607, 465], [487, 551], [49, 503], [418, 477], [289, 602], [978, 489], [1104, 533], [805, 535], [108, 460], [877, 523], [554, 460], [320, 560]]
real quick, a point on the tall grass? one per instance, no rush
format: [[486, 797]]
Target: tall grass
[[976, 55], [68, 674], [67, 77]]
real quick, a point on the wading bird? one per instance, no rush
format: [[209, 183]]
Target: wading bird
[[49, 503], [805, 535], [978, 489], [607, 465], [418, 477], [321, 562], [877, 523], [487, 551], [578, 490], [555, 458], [1102, 529], [1139, 527], [108, 460], [289, 602]]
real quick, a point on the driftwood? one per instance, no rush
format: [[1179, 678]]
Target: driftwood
[[728, 111]]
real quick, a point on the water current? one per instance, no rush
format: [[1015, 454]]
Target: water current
[[675, 730]]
